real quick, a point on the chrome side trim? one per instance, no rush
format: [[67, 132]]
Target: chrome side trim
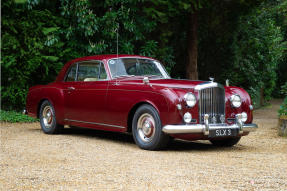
[[201, 128], [205, 85], [93, 123]]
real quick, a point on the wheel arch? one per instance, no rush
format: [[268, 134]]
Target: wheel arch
[[134, 109]]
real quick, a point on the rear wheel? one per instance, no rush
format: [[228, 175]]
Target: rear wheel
[[229, 142], [48, 120], [147, 129]]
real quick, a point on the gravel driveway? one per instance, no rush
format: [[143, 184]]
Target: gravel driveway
[[84, 159]]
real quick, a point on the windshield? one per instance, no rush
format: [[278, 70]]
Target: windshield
[[136, 67]]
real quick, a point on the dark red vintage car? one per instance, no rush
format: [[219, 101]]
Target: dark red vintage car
[[128, 93]]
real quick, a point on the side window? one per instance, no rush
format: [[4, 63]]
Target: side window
[[72, 73], [91, 71]]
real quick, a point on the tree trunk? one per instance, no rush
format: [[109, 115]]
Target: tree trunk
[[261, 96], [191, 66]]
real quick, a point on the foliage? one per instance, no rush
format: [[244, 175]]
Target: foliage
[[283, 108], [28, 57], [14, 117], [284, 89], [258, 49]]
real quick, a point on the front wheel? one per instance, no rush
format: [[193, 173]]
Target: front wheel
[[229, 142], [147, 129], [48, 119]]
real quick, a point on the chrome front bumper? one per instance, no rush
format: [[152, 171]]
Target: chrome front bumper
[[206, 127]]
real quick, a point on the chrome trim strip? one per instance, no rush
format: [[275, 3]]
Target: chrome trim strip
[[201, 128], [205, 85], [121, 127]]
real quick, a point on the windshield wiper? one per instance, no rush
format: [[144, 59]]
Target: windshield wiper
[[120, 76], [153, 76]]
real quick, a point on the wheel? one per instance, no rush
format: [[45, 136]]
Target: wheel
[[229, 142], [48, 120], [147, 129]]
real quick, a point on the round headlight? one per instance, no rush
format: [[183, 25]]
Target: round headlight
[[187, 117], [244, 117], [235, 100], [190, 99]]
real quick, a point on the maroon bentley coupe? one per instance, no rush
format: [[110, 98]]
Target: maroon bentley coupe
[[128, 93]]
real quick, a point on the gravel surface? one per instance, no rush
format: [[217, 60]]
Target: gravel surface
[[83, 159]]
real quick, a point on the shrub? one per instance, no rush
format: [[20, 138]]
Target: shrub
[[28, 56], [14, 117], [283, 108], [284, 89], [258, 49]]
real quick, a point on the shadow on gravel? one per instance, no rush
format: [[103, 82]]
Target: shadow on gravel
[[127, 138], [181, 145], [106, 135]]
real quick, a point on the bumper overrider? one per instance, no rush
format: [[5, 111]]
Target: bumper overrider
[[206, 127]]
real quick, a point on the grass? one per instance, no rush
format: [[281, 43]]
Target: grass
[[15, 117]]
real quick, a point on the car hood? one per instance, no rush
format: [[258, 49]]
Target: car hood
[[176, 83], [164, 83]]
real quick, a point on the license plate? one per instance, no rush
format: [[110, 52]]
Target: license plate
[[223, 132]]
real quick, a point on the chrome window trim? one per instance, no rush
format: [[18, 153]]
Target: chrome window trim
[[161, 68], [205, 85], [94, 123], [69, 70]]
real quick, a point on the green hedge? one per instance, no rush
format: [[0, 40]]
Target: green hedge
[[14, 117]]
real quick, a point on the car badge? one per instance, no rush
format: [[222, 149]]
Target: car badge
[[222, 118]]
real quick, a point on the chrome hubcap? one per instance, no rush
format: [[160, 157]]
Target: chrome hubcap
[[146, 127], [47, 116]]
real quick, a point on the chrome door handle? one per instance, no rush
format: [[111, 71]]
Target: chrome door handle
[[71, 88]]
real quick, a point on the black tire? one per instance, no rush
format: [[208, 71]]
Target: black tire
[[229, 142], [148, 137], [49, 125]]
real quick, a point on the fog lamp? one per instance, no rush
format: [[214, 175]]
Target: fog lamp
[[187, 117], [244, 117]]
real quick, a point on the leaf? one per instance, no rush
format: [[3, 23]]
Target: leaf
[[51, 58], [50, 30]]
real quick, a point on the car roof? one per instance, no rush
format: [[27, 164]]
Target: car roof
[[62, 73], [106, 57]]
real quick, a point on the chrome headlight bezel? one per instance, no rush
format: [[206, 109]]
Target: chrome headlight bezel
[[190, 99], [235, 100]]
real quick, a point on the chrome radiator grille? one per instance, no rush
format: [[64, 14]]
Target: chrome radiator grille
[[212, 102]]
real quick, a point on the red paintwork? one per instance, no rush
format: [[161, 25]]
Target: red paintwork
[[111, 102]]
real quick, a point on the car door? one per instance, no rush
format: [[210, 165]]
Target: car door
[[85, 93]]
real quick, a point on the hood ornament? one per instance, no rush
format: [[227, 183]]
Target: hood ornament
[[211, 79], [227, 82]]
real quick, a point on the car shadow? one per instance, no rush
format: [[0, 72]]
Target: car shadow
[[106, 135], [127, 138]]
